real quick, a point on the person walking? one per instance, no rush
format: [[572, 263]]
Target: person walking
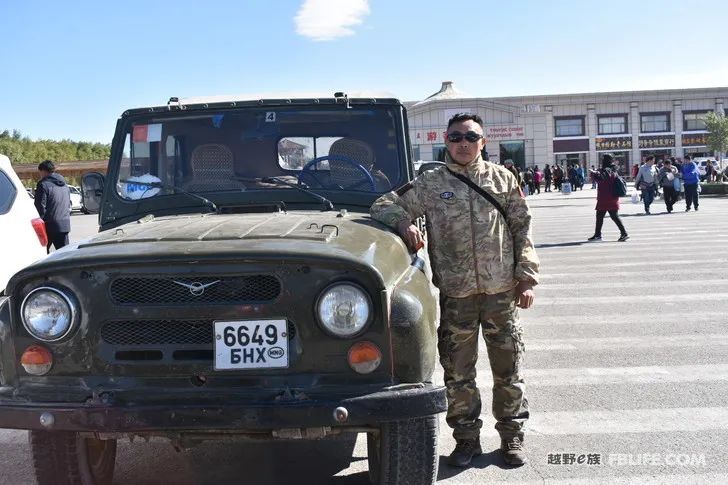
[[580, 176], [571, 176], [485, 265], [528, 179], [607, 201], [666, 179], [508, 164], [709, 171], [548, 177], [645, 182], [537, 179], [53, 202], [691, 179], [558, 177]]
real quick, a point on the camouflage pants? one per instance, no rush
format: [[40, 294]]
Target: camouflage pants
[[460, 320]]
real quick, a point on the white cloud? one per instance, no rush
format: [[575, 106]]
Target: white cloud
[[323, 20]]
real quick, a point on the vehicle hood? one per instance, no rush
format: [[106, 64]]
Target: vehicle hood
[[293, 236]]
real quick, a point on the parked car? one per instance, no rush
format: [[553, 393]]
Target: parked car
[[76, 199], [26, 239], [238, 289], [424, 165]]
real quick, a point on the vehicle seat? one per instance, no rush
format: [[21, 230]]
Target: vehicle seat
[[212, 169], [346, 175]]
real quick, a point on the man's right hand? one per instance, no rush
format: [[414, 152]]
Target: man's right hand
[[411, 235]]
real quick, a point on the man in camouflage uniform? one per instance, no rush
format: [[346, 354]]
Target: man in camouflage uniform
[[485, 266]]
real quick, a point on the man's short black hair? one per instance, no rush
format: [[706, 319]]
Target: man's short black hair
[[649, 157], [607, 160], [687, 157], [47, 165], [460, 117]]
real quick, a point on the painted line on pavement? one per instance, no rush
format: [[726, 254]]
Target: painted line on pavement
[[596, 376], [628, 343], [629, 284], [683, 318], [627, 274], [636, 299], [651, 479], [628, 421]]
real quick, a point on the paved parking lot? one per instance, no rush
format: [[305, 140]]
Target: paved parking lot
[[627, 365]]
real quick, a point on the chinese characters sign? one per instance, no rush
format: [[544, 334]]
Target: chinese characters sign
[[428, 137], [614, 143], [657, 141], [696, 140]]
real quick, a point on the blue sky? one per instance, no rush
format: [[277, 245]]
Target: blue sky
[[68, 69]]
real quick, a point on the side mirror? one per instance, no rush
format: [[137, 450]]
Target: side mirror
[[92, 189], [429, 166]]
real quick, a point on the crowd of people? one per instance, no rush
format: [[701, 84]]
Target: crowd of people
[[554, 176], [670, 178]]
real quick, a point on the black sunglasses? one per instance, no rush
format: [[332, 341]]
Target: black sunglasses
[[457, 137]]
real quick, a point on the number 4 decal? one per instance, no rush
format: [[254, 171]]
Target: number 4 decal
[[270, 116]]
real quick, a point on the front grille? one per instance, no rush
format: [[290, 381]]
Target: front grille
[[193, 290], [158, 332], [163, 332]]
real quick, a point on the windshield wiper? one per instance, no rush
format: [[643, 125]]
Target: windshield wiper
[[161, 185], [328, 206]]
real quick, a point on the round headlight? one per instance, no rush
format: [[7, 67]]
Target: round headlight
[[344, 309], [48, 314]]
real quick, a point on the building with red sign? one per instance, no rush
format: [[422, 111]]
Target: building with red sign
[[566, 128]]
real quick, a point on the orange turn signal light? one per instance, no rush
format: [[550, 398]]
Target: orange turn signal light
[[364, 357], [36, 360]]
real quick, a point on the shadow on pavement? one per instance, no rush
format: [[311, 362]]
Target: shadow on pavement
[[493, 458], [252, 463], [561, 245], [642, 214]]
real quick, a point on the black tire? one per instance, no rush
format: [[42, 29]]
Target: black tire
[[65, 458], [404, 452]]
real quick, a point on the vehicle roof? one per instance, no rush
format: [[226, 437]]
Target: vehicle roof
[[267, 99]]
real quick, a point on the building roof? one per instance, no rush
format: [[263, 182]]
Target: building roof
[[447, 91]]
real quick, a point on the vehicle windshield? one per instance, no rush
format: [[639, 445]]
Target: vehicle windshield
[[249, 150]]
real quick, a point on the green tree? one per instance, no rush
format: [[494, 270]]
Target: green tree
[[21, 149], [717, 125]]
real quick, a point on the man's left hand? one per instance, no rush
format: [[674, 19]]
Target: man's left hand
[[524, 295]]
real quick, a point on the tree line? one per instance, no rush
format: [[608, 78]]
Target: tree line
[[21, 149]]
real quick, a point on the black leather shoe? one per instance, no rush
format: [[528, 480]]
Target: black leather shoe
[[513, 453], [464, 452]]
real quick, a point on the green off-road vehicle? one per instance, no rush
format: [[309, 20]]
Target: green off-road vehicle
[[237, 289]]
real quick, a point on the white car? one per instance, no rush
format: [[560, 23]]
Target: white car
[[26, 237], [76, 199]]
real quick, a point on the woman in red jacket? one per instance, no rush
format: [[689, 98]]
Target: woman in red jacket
[[606, 200]]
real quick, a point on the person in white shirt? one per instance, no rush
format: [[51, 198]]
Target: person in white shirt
[[645, 181]]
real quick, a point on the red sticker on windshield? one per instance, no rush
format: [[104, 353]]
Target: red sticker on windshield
[[140, 134]]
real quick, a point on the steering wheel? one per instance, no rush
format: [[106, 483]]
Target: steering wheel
[[307, 171]]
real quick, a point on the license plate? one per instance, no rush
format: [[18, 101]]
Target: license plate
[[251, 344]]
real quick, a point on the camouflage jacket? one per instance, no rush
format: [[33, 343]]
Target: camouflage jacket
[[471, 246]]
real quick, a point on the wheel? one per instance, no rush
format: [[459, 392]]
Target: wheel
[[65, 458], [404, 452], [308, 173]]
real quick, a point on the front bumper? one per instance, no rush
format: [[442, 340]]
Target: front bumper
[[367, 410]]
